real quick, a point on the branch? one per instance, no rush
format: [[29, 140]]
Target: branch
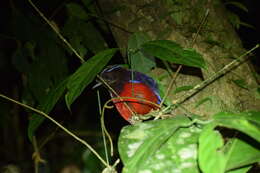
[[56, 31], [59, 125], [211, 79]]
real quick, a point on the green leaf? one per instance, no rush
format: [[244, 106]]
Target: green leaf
[[247, 122], [92, 38], [40, 53], [202, 101], [236, 158], [178, 16], [90, 162], [211, 157], [46, 106], [247, 25], [182, 88], [87, 35], [213, 42], [253, 116], [234, 19], [173, 52], [138, 60], [212, 151], [87, 3], [241, 170], [74, 35], [241, 83], [238, 4], [77, 11], [85, 74], [257, 93], [84, 37], [159, 146]]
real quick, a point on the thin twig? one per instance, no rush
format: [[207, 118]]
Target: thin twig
[[56, 31], [174, 78], [211, 79], [35, 155], [114, 92], [112, 24], [102, 128], [59, 125], [200, 27], [106, 21]]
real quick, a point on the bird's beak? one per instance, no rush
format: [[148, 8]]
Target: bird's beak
[[98, 84], [100, 81]]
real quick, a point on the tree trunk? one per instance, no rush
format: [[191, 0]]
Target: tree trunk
[[217, 41]]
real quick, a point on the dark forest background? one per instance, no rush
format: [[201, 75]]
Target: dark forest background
[[20, 23]]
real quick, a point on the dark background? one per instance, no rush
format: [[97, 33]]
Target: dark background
[[84, 112]]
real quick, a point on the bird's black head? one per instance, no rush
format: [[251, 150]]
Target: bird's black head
[[114, 76]]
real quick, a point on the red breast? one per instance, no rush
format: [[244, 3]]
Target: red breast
[[135, 90]]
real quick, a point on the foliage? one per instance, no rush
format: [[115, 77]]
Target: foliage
[[139, 61], [183, 145], [86, 74], [173, 52], [50, 76], [234, 18]]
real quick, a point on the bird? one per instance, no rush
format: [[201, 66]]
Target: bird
[[141, 91]]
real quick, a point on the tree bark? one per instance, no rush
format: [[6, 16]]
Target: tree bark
[[217, 41]]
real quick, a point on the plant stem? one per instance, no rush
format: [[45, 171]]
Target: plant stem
[[59, 125]]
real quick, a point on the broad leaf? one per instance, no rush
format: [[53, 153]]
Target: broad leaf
[[93, 38], [241, 83], [211, 156], [85, 74], [77, 11], [173, 52], [84, 37], [213, 152], [159, 146], [248, 123], [74, 36], [234, 19], [46, 106], [42, 62], [138, 60], [236, 158], [241, 170]]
